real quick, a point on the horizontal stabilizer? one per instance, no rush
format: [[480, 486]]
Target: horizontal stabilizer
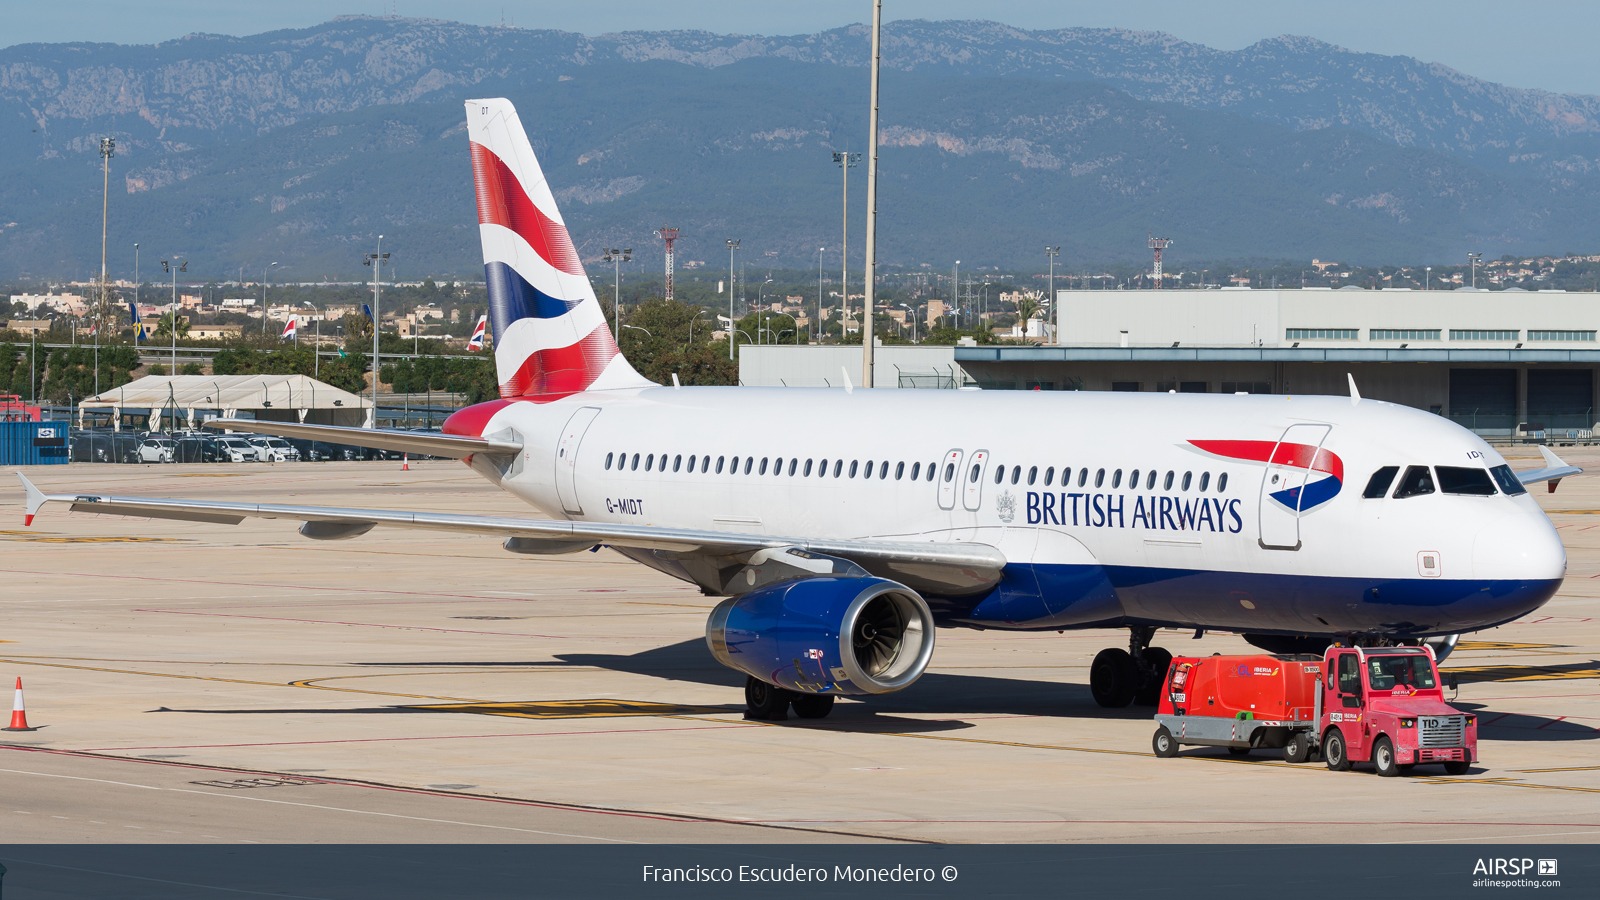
[[422, 443]]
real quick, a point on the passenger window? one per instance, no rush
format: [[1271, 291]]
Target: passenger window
[[692, 458], [1349, 674], [763, 470], [867, 471], [705, 464], [608, 460], [808, 468], [1416, 482], [1378, 484], [733, 466], [793, 464], [1083, 476], [933, 466], [1049, 475], [777, 466], [1166, 484], [883, 469], [916, 471], [677, 462], [1222, 481], [853, 465], [1099, 477], [1033, 473], [749, 461], [1186, 477], [1462, 480], [838, 466], [999, 473], [1205, 479], [1016, 474], [1150, 481], [1133, 481], [949, 471], [635, 466], [822, 470], [900, 471], [1509, 482], [1116, 479], [719, 463]]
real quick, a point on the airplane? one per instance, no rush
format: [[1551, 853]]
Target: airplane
[[841, 527]]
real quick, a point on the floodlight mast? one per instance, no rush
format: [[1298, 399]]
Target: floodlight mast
[[668, 234], [1158, 245], [870, 275]]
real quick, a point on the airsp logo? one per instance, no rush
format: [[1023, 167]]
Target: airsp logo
[[1006, 506]]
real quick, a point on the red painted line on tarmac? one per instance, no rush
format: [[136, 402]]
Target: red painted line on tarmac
[[181, 612], [443, 737]]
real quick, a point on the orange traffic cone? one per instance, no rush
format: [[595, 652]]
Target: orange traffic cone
[[405, 462], [19, 714]]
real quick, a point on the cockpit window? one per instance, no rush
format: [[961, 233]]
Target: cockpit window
[[1379, 483], [1462, 480], [1509, 482], [1384, 673], [1416, 482]]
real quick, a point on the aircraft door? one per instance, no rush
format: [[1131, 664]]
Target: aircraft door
[[567, 457], [949, 477], [1283, 483], [972, 478]]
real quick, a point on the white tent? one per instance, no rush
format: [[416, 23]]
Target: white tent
[[281, 398]]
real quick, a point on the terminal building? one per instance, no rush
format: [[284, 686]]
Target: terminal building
[[1490, 360]]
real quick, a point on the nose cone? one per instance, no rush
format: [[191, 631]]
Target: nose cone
[[1522, 547]]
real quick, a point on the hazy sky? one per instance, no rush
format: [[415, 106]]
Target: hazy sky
[[1546, 44]]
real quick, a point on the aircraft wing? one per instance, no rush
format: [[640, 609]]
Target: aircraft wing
[[1555, 469], [418, 442], [711, 557]]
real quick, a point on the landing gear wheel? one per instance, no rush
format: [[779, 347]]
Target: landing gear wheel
[[1298, 748], [765, 701], [1334, 752], [1238, 751], [1383, 758], [1113, 678], [812, 706], [1457, 767], [1165, 745], [1157, 661]]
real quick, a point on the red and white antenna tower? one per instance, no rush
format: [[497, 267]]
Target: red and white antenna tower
[[668, 234], [1158, 245]]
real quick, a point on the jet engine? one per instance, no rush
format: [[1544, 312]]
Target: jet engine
[[826, 635]]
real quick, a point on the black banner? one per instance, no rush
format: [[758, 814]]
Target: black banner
[[1193, 872]]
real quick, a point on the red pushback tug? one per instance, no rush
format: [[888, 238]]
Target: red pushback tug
[[1383, 705]]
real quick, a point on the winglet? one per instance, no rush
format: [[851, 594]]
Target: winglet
[[36, 499], [1551, 459], [1355, 395]]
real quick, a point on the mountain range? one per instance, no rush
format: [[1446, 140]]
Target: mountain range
[[302, 146]]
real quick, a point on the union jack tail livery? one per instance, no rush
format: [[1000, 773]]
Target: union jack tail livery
[[288, 330], [477, 334], [551, 338]]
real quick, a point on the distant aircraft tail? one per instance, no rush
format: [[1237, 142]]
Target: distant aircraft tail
[[550, 335], [478, 334]]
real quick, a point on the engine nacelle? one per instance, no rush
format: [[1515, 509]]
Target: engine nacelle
[[826, 635]]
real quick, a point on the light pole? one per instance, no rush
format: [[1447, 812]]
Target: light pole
[[869, 273], [108, 149], [617, 258], [816, 328], [1052, 253], [377, 261], [174, 268], [1473, 258], [691, 328], [733, 245], [264, 271], [845, 161], [1427, 277], [316, 346], [955, 288]]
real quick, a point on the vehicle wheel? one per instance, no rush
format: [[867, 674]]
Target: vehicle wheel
[[1457, 767], [1383, 757], [765, 701], [1238, 751], [1113, 678], [1298, 747], [812, 706], [1159, 660], [1334, 752], [1165, 745]]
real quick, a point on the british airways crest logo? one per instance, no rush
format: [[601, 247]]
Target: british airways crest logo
[[1320, 472]]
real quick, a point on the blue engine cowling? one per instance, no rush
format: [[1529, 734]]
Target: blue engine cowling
[[826, 635]]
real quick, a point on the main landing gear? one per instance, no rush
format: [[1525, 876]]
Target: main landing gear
[[1119, 677], [771, 703]]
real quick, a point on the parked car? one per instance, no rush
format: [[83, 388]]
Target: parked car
[[198, 448], [155, 448], [233, 448], [273, 449], [321, 451]]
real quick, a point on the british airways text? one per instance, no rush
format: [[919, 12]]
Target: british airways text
[[1156, 513]]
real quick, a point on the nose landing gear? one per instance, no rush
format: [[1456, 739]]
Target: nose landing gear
[[1120, 677]]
